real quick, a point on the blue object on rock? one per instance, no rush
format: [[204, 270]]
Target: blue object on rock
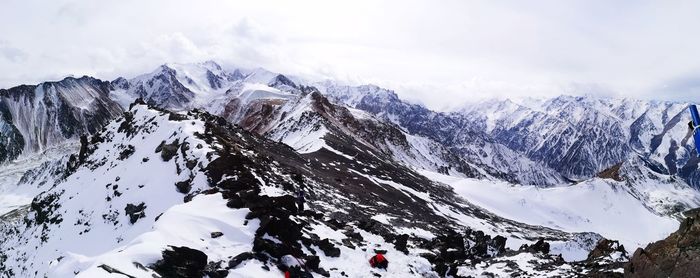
[[696, 123]]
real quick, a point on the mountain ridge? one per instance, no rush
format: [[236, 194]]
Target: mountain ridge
[[385, 166]]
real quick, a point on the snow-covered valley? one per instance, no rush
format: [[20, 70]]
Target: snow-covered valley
[[597, 205]]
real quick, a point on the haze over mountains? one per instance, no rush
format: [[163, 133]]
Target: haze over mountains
[[381, 173]]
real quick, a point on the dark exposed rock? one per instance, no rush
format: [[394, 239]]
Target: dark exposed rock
[[605, 260], [611, 173], [84, 148], [499, 243], [540, 246], [214, 270], [453, 249], [114, 270], [190, 164], [182, 262], [329, 248], [44, 206], [216, 234], [168, 151], [400, 243], [235, 202], [605, 248], [676, 256], [375, 227], [127, 125], [135, 212], [284, 229], [238, 259], [176, 117], [273, 249], [312, 262], [183, 186], [127, 152]]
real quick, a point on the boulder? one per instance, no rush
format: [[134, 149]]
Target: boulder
[[328, 248], [238, 259], [183, 187], [181, 262], [168, 151], [135, 212]]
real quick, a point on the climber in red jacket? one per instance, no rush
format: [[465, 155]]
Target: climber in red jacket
[[379, 261]]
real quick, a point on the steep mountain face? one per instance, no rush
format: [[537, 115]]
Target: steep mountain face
[[580, 136], [190, 195], [458, 133], [33, 118], [313, 116]]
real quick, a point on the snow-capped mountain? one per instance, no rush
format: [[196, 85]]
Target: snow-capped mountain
[[177, 86], [457, 133], [580, 136], [546, 141], [33, 118], [273, 105], [508, 187]]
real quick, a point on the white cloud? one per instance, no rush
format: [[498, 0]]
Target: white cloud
[[10, 53], [438, 53]]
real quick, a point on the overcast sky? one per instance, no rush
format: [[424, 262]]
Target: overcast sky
[[440, 53]]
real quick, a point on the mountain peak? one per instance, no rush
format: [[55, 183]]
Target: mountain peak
[[212, 65]]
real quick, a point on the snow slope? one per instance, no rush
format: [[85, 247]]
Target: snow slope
[[91, 226], [598, 205]]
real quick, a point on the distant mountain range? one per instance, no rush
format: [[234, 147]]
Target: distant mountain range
[[189, 145], [539, 142]]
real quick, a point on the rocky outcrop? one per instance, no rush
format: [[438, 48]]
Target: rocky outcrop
[[608, 248], [676, 256], [453, 249], [611, 173], [135, 212], [607, 259], [540, 246], [181, 262]]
